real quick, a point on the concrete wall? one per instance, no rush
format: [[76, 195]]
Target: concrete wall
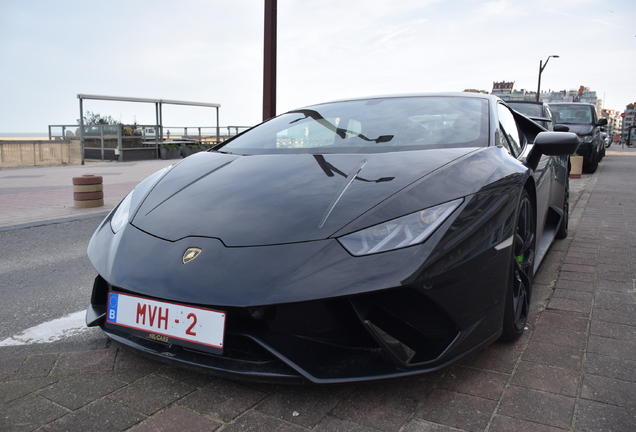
[[30, 153]]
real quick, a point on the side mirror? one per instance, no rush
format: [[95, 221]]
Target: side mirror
[[557, 143], [601, 122], [561, 128], [552, 144]]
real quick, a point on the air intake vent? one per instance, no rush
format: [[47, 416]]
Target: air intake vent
[[408, 325]]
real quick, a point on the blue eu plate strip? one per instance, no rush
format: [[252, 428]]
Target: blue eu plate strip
[[112, 306]]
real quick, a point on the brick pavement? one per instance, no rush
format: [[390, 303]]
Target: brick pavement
[[574, 369], [33, 195]]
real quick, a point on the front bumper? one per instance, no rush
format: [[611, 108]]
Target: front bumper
[[585, 149], [388, 334]]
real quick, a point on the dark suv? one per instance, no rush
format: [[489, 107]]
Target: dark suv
[[582, 119], [537, 111]]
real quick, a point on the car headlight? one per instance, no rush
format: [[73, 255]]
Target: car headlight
[[399, 233], [587, 138], [133, 199], [120, 218]]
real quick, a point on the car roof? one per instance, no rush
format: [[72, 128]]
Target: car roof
[[572, 103], [526, 102], [407, 95]]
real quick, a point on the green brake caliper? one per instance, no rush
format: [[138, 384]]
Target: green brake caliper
[[521, 257]]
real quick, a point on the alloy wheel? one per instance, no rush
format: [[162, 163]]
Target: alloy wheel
[[523, 263]]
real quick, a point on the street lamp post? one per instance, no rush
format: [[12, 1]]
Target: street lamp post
[[541, 67]]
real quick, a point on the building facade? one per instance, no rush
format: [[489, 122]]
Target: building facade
[[614, 123], [506, 91], [582, 95], [503, 89]]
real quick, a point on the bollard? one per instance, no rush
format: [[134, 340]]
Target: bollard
[[576, 166], [88, 191]]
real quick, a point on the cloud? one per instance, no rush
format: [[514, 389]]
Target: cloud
[[502, 9], [213, 52]]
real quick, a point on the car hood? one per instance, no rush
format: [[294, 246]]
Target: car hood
[[277, 199], [581, 129]]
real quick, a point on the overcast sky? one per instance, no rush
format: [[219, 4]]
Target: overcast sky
[[212, 51]]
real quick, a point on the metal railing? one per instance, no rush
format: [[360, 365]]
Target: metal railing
[[204, 135], [137, 142]]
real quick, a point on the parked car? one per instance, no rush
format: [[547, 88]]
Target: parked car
[[537, 111], [582, 119], [354, 240], [606, 139]]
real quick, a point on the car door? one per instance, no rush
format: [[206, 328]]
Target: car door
[[542, 174]]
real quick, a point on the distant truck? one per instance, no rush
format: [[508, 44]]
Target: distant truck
[[583, 120]]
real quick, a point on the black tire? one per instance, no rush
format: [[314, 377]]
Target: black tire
[[521, 273], [563, 228], [593, 165]]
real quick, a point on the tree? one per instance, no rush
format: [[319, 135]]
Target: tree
[[92, 118]]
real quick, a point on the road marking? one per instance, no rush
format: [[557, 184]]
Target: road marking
[[60, 328]]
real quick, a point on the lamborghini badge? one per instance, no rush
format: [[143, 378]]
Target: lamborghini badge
[[190, 254]]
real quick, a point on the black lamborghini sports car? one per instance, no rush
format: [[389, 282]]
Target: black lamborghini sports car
[[354, 240]]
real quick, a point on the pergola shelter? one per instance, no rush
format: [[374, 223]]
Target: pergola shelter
[[158, 110]]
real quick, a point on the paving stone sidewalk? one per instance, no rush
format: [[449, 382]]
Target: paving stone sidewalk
[[34, 195], [573, 370]]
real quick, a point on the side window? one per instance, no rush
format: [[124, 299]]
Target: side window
[[509, 128], [502, 140]]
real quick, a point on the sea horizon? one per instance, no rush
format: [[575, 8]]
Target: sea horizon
[[23, 134]]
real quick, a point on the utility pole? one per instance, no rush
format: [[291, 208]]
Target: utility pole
[[269, 61]]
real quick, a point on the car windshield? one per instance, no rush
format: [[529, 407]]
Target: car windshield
[[371, 125], [572, 114], [530, 110]]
